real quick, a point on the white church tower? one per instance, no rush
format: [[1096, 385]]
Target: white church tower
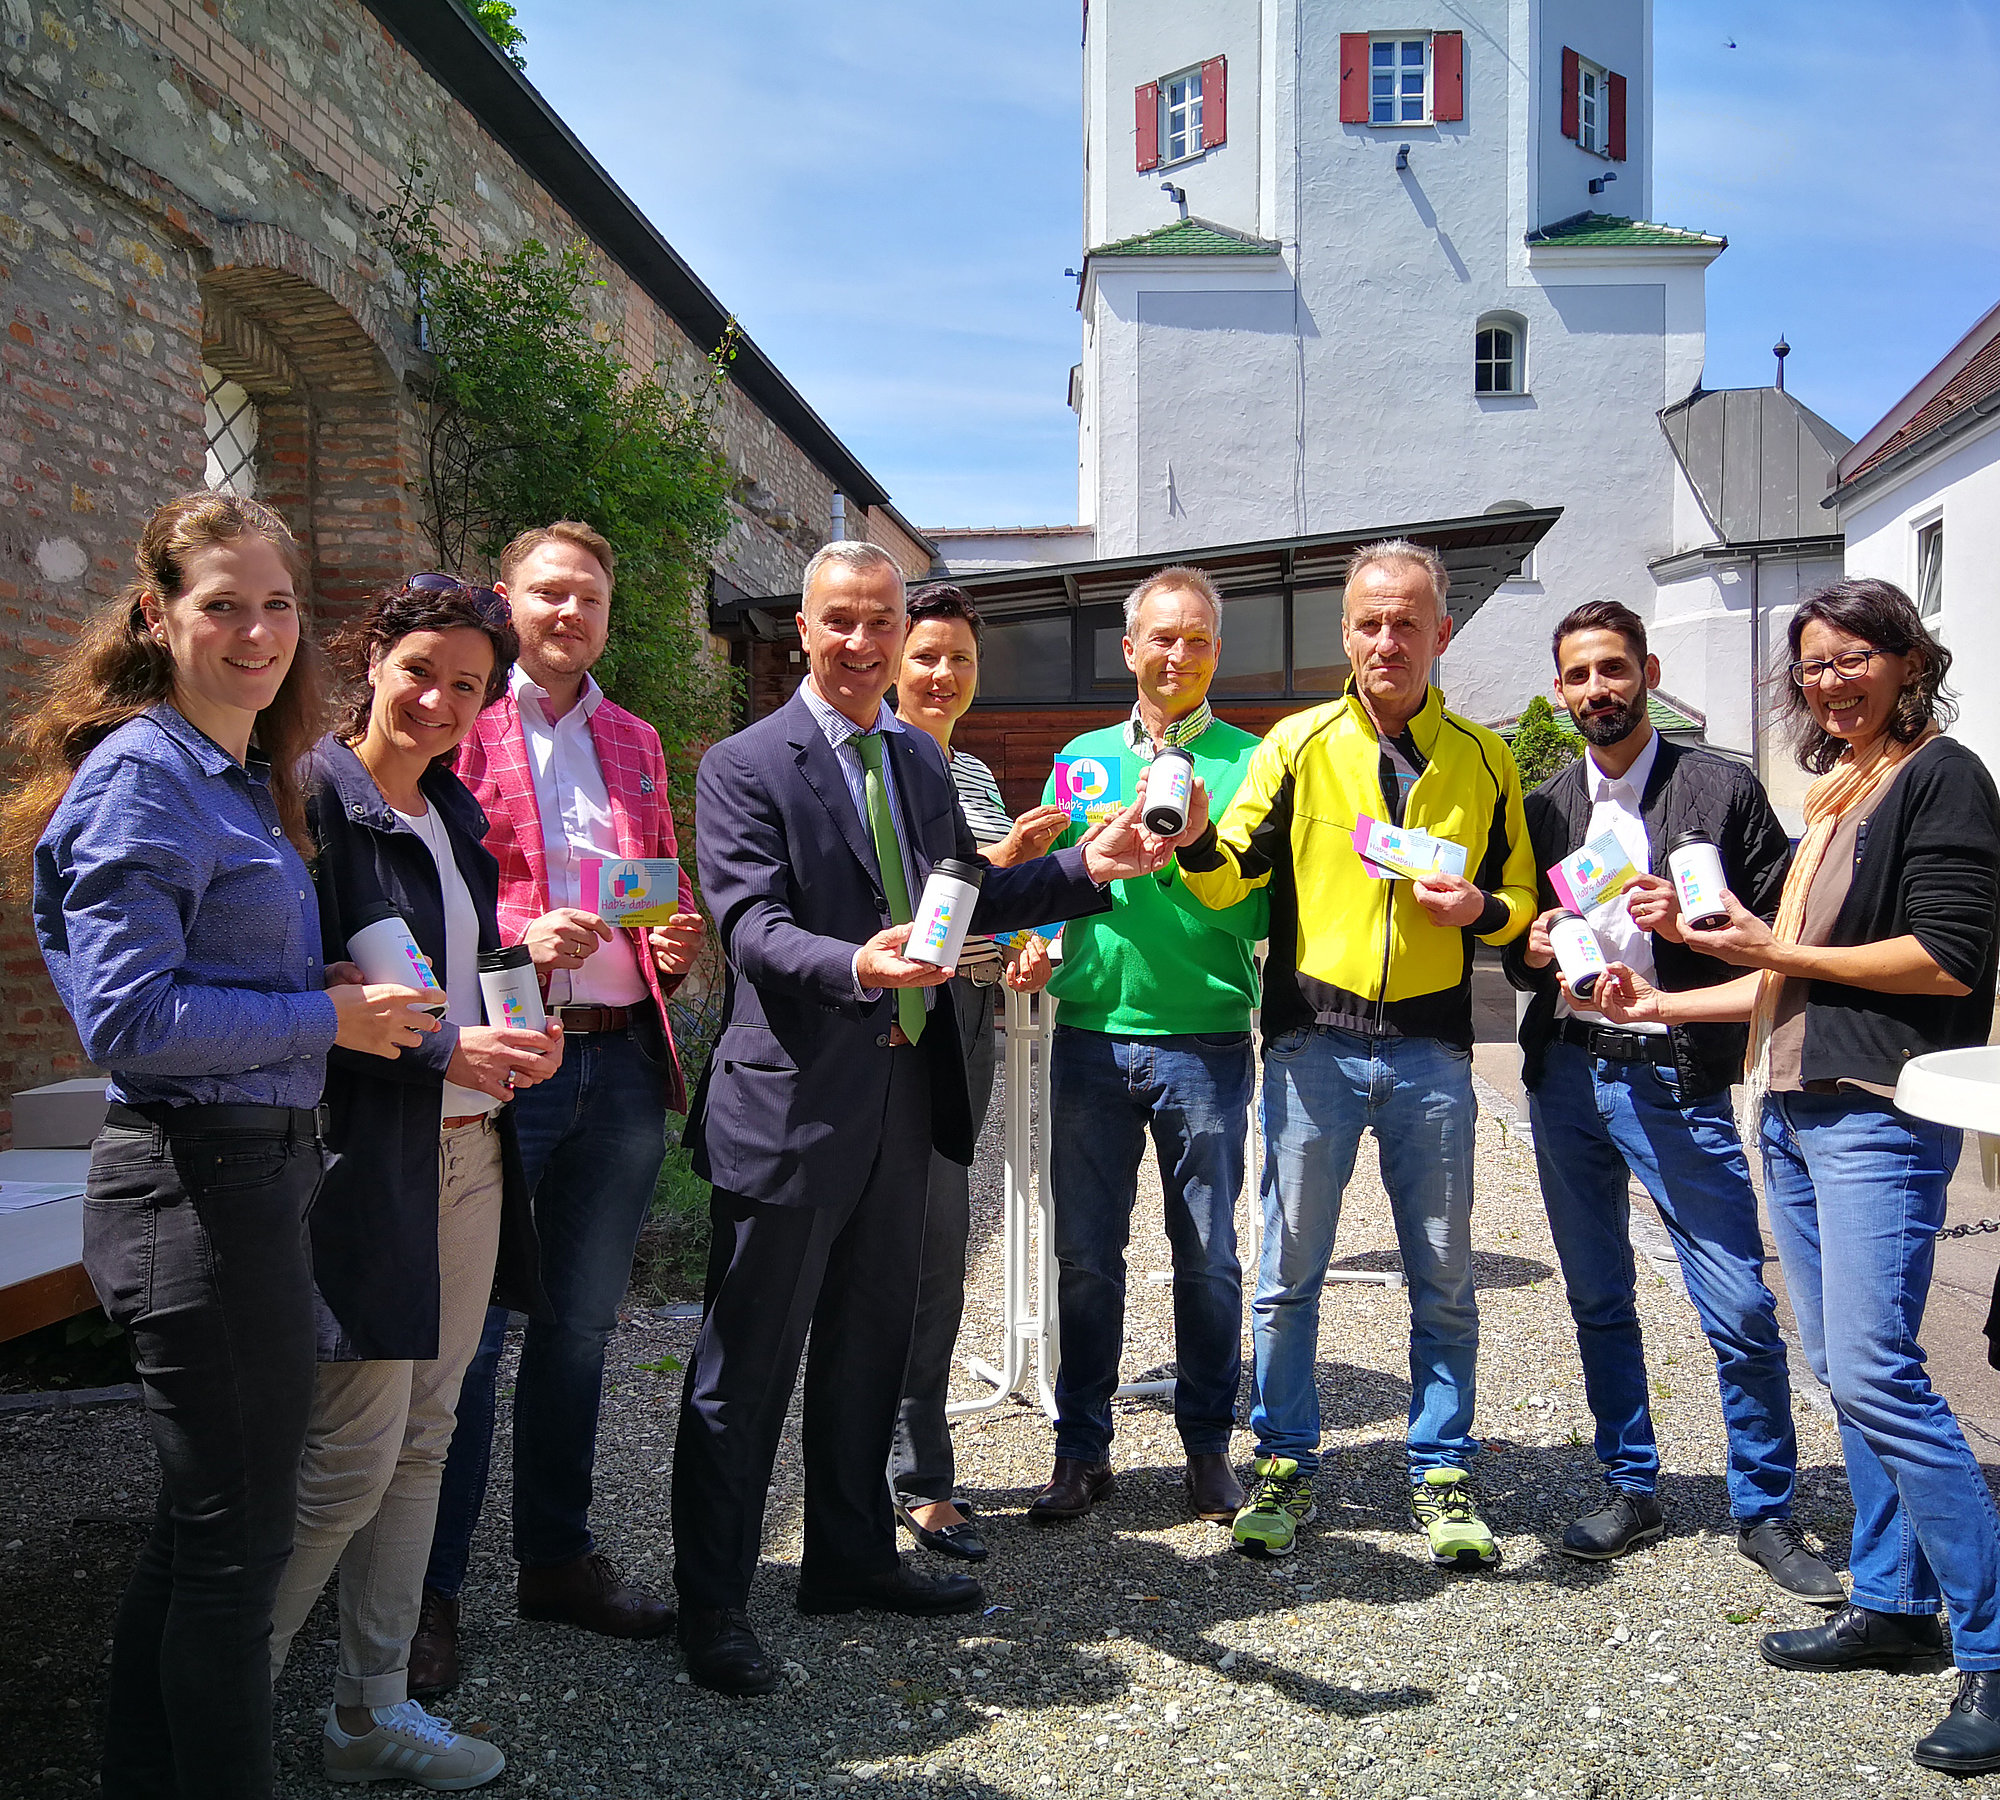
[[1359, 262]]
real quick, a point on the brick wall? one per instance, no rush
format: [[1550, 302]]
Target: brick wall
[[199, 180]]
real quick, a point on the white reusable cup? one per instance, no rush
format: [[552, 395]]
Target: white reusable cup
[[1168, 785], [513, 996], [1696, 867], [1578, 953], [387, 952], [937, 933]]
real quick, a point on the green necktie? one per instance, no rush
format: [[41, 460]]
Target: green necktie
[[889, 857]]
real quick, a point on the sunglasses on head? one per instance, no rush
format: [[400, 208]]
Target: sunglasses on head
[[492, 605]]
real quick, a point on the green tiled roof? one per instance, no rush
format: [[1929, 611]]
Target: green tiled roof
[[1664, 714], [1606, 231], [1189, 237]]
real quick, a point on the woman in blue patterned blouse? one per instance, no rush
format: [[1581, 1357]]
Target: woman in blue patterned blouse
[[177, 919]]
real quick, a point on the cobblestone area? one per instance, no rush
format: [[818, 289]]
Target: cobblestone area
[[1130, 1654]]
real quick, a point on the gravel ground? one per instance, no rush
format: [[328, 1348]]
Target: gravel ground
[[1130, 1653]]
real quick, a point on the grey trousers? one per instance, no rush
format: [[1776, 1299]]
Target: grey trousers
[[921, 1469]]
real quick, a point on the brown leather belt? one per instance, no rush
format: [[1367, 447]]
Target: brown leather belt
[[593, 1018], [463, 1120], [899, 1039]]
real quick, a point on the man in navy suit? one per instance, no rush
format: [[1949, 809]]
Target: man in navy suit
[[816, 1119]]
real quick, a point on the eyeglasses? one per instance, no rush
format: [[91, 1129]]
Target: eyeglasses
[[1849, 665], [492, 604]]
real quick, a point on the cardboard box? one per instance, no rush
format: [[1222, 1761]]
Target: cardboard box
[[65, 1115]]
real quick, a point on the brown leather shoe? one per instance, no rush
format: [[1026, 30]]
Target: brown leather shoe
[[1212, 1489], [1073, 1490], [588, 1592], [434, 1650]]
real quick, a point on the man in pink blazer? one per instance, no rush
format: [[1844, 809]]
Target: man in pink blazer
[[564, 775]]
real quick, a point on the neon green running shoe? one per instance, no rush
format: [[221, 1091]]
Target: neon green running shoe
[[1279, 1503], [1446, 1510]]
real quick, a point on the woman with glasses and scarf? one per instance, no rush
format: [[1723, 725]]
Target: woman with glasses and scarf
[[424, 1196], [1884, 949]]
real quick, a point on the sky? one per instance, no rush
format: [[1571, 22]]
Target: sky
[[886, 194]]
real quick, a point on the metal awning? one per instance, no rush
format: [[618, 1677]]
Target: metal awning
[[1480, 553]]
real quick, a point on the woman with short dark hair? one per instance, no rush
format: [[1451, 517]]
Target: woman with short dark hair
[[1884, 950], [935, 686], [162, 803], [425, 1195]]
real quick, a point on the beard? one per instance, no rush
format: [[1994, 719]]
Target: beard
[[1613, 725]]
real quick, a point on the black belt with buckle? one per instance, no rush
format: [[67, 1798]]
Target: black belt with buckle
[[296, 1122], [1613, 1045]]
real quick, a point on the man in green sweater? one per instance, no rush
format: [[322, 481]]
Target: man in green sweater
[[1153, 1035]]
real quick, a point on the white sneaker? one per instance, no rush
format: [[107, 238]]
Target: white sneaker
[[408, 1744]]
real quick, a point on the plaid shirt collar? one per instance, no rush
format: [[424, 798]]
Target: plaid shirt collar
[[1181, 732]]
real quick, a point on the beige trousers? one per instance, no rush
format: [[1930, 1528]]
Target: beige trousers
[[375, 1450]]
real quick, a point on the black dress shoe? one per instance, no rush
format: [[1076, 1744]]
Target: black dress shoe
[[1624, 1522], [1855, 1638], [1212, 1488], [961, 1540], [1073, 1490], [1967, 1740], [1779, 1548], [904, 1591], [723, 1652]]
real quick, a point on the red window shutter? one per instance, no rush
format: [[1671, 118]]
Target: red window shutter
[[1448, 75], [1214, 102], [1354, 78], [1616, 136], [1146, 105], [1572, 81]]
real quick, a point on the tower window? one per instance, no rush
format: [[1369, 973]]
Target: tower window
[[1180, 116], [230, 418], [1399, 89], [1499, 360]]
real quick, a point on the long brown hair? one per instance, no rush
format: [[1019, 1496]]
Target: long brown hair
[[118, 671]]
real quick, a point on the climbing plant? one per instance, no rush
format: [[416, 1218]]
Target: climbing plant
[[535, 414], [1541, 746]]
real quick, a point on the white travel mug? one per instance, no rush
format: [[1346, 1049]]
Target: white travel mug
[[513, 996], [1168, 787], [386, 952], [1578, 953], [1695, 865], [937, 932]]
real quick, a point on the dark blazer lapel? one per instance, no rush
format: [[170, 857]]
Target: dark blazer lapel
[[821, 769]]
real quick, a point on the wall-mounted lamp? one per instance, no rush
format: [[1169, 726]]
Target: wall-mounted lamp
[[1178, 195], [1598, 183], [1402, 156]]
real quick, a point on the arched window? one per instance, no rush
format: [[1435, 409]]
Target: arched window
[[230, 416], [1500, 355]]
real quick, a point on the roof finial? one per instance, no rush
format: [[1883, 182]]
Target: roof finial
[[1781, 350]]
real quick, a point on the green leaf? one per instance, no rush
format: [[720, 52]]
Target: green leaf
[[665, 1365]]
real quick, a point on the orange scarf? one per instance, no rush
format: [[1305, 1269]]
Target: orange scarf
[[1842, 788]]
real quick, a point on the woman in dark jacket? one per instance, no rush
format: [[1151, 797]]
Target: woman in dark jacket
[[424, 1193], [1884, 949]]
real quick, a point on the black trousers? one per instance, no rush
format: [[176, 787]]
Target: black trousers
[[849, 1274], [197, 1246]]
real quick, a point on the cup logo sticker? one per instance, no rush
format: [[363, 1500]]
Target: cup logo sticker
[[1088, 786]]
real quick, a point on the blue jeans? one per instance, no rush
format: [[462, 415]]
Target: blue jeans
[[1857, 1196], [592, 1141], [1193, 1094], [1595, 1121], [1322, 1089]]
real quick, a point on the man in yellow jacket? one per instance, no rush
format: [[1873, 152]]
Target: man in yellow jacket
[[1367, 1024]]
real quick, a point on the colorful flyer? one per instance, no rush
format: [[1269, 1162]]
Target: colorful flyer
[[1403, 850], [1089, 786], [1599, 871], [630, 890]]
